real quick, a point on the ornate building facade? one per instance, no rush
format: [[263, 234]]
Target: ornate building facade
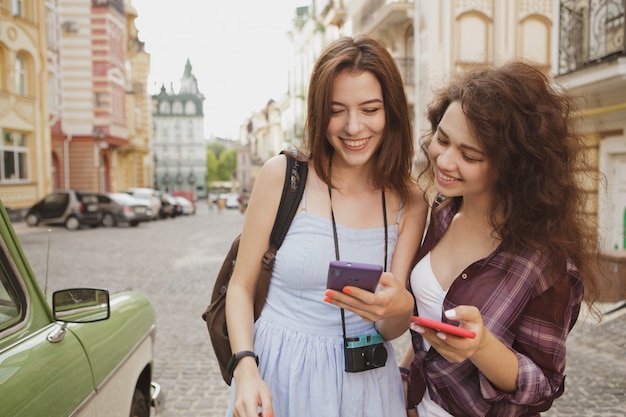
[[25, 171], [179, 145], [592, 65], [76, 108], [135, 162], [93, 78]]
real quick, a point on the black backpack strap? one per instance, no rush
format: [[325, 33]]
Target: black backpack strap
[[293, 188]]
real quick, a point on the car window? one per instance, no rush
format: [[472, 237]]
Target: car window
[[103, 199], [12, 300], [122, 198], [56, 200], [87, 198]]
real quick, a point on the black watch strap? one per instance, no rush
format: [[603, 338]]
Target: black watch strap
[[234, 360]]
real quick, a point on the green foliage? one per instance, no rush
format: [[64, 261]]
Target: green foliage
[[217, 148], [220, 163], [227, 164], [211, 167]]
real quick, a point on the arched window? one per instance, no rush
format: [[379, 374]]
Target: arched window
[[190, 108], [164, 107], [20, 76], [17, 8], [177, 107], [535, 40], [474, 39]]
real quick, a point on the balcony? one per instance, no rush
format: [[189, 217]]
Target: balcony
[[377, 14], [334, 13], [590, 32]]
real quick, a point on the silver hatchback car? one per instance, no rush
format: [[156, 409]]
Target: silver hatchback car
[[150, 196], [70, 208]]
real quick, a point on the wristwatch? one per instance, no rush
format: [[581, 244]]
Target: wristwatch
[[234, 360]]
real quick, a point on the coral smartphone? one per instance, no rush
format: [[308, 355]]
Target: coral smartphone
[[443, 327], [362, 275]]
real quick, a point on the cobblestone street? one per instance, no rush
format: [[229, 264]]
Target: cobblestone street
[[174, 263]]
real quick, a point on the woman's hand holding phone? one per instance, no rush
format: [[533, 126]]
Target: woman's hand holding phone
[[443, 327], [356, 274], [373, 295]]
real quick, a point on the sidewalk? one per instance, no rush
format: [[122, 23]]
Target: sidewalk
[[595, 385]]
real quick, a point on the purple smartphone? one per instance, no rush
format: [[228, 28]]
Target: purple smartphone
[[362, 275]]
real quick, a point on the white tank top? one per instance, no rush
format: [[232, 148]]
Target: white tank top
[[429, 298]]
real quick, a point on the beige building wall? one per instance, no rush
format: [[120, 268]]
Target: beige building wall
[[135, 168], [453, 35], [76, 68], [25, 163]]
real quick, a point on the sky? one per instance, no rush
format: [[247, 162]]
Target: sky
[[238, 51]]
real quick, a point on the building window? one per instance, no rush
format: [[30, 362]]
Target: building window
[[164, 107], [20, 76], [177, 107], [17, 7], [14, 150], [51, 29], [190, 108]]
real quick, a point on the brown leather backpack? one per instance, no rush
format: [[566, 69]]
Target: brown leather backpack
[[215, 313]]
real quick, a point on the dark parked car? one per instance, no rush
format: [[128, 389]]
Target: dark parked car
[[168, 206], [118, 208], [67, 207]]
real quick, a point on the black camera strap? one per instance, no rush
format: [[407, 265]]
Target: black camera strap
[[332, 215]]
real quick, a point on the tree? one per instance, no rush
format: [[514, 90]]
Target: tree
[[227, 164], [217, 148], [211, 167]]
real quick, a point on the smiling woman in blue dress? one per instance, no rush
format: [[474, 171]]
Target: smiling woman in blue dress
[[357, 118]]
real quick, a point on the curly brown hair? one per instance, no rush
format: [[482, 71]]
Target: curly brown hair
[[394, 158], [524, 123]]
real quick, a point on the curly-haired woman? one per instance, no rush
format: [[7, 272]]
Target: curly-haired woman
[[508, 254]]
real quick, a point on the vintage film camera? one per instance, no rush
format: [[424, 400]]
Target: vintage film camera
[[365, 352]]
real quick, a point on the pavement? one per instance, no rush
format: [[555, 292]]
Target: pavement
[[595, 384], [174, 262]]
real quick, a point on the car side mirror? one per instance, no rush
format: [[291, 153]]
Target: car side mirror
[[81, 305]]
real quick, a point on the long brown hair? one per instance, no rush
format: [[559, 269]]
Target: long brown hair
[[395, 156], [524, 123]]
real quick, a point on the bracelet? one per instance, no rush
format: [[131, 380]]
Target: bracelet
[[234, 360], [404, 373]]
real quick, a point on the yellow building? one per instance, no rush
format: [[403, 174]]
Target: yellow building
[[135, 163], [25, 168]]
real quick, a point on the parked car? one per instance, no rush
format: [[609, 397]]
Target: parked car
[[149, 195], [186, 207], [122, 208], [85, 352], [66, 207], [168, 205], [189, 195]]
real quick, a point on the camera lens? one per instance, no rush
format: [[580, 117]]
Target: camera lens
[[376, 355]]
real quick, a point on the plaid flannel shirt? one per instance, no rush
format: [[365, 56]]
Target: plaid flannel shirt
[[521, 307]]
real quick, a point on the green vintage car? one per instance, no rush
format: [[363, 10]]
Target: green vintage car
[[85, 353]]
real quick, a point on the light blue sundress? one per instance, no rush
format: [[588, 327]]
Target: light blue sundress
[[298, 337]]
